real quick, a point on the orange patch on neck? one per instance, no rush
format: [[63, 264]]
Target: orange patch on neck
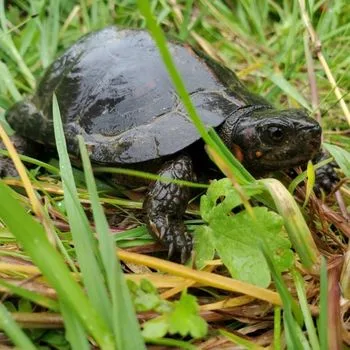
[[258, 154], [237, 151]]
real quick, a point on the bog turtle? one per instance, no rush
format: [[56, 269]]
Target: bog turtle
[[113, 89]]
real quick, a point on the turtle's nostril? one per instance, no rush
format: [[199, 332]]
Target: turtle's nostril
[[316, 130]]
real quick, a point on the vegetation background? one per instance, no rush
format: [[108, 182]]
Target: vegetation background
[[272, 47]]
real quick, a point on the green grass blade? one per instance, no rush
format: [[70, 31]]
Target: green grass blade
[[123, 316], [31, 235], [323, 318], [6, 44], [341, 156], [294, 222], [247, 344], [32, 296], [295, 338], [292, 317], [7, 81], [277, 328], [289, 90], [85, 244], [15, 333], [311, 331], [303, 176], [51, 169], [242, 174], [179, 85], [148, 176], [75, 333]]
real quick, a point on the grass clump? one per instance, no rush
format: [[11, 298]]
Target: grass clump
[[78, 262]]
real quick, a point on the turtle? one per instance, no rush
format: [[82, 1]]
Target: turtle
[[112, 88]]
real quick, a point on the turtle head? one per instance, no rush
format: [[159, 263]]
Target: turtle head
[[265, 139]]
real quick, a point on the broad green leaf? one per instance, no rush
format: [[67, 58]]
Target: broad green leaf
[[156, 328], [243, 260], [145, 297], [236, 238], [203, 245], [184, 319], [230, 198]]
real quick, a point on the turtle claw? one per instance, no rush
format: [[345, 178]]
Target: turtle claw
[[180, 242], [171, 250], [175, 237], [185, 253]]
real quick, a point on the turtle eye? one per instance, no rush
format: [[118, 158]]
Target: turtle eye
[[275, 134]]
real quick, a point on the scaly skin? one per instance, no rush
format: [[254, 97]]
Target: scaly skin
[[326, 176], [23, 146], [165, 205]]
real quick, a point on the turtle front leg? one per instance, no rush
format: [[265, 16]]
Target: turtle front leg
[[326, 176], [165, 205]]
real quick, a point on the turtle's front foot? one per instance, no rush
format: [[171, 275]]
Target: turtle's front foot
[[165, 205], [326, 176]]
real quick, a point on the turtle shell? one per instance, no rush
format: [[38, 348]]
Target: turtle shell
[[113, 89]]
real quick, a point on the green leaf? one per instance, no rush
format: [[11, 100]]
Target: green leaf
[[223, 189], [156, 328], [184, 318], [236, 238], [145, 297], [203, 245]]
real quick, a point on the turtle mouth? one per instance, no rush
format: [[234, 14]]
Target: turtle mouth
[[285, 163], [289, 158]]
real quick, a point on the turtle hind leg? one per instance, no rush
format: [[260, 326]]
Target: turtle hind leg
[[165, 205], [23, 146], [29, 121], [25, 119]]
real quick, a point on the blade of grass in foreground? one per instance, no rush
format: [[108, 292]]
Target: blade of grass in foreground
[[85, 244], [180, 87], [309, 323], [75, 333], [291, 312], [126, 327], [12, 329]]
